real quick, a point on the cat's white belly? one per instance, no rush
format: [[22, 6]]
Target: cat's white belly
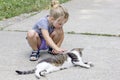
[[67, 63]]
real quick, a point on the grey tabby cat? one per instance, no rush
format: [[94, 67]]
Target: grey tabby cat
[[59, 62]]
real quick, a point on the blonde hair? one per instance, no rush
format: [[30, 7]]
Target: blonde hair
[[57, 10]]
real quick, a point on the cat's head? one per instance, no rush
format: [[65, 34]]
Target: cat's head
[[79, 50], [75, 54]]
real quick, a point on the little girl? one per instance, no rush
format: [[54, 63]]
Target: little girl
[[48, 31]]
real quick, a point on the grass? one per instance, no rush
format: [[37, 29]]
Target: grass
[[11, 8]]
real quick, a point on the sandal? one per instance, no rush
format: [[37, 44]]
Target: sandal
[[34, 56]]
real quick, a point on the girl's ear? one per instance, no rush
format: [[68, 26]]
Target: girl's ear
[[52, 18]]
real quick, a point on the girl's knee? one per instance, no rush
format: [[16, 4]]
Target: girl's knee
[[57, 33], [31, 34], [57, 36]]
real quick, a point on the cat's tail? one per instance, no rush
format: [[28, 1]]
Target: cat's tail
[[25, 72]]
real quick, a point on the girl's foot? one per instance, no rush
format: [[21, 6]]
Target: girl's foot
[[34, 56]]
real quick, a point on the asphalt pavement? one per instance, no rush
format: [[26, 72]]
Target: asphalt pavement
[[96, 16]]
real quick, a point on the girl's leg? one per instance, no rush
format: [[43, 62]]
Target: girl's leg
[[57, 35], [34, 42], [33, 39]]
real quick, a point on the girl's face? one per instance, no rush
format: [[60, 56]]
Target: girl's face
[[58, 23]]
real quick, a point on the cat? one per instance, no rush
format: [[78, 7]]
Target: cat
[[58, 62]]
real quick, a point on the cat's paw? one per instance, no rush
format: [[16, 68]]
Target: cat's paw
[[43, 73], [37, 75], [90, 63]]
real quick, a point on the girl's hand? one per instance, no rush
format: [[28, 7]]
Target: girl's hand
[[59, 51]]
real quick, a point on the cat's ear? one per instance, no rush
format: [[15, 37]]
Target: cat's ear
[[81, 49], [78, 49]]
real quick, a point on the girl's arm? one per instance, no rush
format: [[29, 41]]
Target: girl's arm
[[49, 40], [61, 40]]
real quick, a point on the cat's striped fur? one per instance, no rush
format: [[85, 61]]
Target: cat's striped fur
[[60, 61]]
